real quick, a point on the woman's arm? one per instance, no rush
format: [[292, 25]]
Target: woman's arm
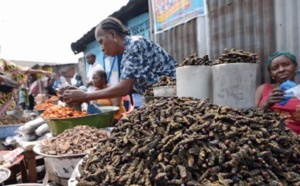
[[276, 96], [36, 71], [121, 89], [259, 95]]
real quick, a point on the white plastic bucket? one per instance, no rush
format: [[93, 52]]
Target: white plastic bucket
[[164, 91], [194, 81], [234, 84]]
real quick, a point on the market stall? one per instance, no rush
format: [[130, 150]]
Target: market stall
[[175, 141], [188, 132], [51, 118]]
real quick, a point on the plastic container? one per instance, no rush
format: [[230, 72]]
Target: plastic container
[[8, 130], [234, 84], [164, 91], [102, 120], [194, 81]]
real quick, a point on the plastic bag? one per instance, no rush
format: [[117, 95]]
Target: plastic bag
[[293, 92], [30, 137], [286, 86]]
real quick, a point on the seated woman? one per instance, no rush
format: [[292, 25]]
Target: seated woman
[[282, 66], [100, 82]]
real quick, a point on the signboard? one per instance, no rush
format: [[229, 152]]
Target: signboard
[[169, 13], [142, 29]]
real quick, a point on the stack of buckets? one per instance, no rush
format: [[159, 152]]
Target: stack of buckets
[[231, 84]]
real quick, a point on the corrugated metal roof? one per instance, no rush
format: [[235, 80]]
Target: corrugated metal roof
[[132, 9]]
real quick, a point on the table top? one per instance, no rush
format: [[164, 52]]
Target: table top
[[17, 160]]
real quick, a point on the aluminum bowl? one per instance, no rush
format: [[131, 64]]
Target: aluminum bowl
[[4, 174], [102, 120]]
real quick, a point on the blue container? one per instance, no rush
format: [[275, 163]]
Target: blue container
[[8, 130]]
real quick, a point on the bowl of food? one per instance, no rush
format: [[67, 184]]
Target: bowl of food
[[101, 120], [9, 124], [4, 174]]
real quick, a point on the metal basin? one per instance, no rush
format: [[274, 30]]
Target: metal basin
[[60, 165], [102, 120], [4, 174]]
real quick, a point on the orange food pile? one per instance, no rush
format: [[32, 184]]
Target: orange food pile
[[53, 98], [57, 111], [43, 106]]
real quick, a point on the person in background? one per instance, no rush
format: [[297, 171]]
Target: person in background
[[23, 97], [143, 62], [34, 89], [93, 67], [11, 77], [60, 81], [100, 83], [282, 66], [79, 82], [76, 80], [49, 89]]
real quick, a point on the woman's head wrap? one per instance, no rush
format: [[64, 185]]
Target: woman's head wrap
[[281, 53]]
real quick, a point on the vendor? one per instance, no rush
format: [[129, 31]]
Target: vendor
[[49, 89], [282, 66], [142, 64], [100, 82], [13, 76]]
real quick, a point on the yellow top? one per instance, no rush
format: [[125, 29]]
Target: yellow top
[[107, 102]]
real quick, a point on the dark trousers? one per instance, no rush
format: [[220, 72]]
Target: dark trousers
[[31, 102]]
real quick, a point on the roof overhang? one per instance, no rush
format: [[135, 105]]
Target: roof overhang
[[127, 12]]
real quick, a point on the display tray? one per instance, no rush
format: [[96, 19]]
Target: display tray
[[37, 150]]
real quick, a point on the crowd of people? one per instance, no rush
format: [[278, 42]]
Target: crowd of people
[[143, 63]]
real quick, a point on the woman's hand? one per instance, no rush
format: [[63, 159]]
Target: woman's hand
[[276, 96], [74, 96]]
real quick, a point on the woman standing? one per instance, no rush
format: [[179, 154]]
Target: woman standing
[[13, 76], [34, 90], [143, 62], [282, 66]]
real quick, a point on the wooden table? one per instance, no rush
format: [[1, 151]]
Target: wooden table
[[31, 161]]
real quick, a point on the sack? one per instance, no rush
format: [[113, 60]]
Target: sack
[[30, 126], [41, 130]]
